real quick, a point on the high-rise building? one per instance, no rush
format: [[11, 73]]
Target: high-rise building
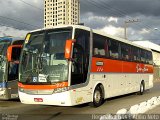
[[61, 12]]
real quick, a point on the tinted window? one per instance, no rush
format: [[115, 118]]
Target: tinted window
[[81, 52], [82, 38], [149, 58], [99, 45], [113, 48], [109, 48], [143, 56], [125, 52], [135, 54], [16, 51], [3, 47], [36, 42]]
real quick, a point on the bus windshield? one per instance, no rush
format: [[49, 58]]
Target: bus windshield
[[3, 50], [42, 60]]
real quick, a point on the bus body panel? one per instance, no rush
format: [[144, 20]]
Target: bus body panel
[[3, 90], [9, 90], [112, 86], [68, 98], [121, 77], [116, 85], [13, 89], [61, 99], [117, 66]]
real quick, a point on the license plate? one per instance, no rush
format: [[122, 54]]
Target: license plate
[[38, 99]]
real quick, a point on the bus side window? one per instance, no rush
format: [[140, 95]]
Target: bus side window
[[95, 51], [100, 46], [147, 57], [102, 52], [113, 49], [150, 58], [143, 56], [125, 52], [106, 48], [135, 54]]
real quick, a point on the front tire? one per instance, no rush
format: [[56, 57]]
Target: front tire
[[97, 97]]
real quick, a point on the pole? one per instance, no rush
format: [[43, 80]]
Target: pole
[[126, 25], [125, 30]]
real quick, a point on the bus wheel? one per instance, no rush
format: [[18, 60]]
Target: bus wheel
[[142, 88], [97, 97]]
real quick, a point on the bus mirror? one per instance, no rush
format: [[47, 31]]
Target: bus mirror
[[13, 53], [68, 49], [9, 54]]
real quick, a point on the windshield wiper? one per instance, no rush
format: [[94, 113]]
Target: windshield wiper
[[39, 60], [30, 70]]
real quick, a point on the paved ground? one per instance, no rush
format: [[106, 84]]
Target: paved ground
[[15, 109], [156, 110]]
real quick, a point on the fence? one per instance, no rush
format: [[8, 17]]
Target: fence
[[156, 73]]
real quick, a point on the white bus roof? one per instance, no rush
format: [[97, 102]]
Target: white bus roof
[[94, 31], [148, 44], [63, 26]]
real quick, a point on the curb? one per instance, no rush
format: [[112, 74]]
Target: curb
[[134, 110]]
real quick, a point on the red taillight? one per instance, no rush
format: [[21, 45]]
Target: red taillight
[[38, 99]]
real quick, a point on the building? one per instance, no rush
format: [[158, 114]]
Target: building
[[156, 55], [155, 50], [61, 12]]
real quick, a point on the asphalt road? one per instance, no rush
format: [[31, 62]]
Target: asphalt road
[[16, 111]]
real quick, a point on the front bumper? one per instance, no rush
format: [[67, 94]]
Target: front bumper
[[60, 99]]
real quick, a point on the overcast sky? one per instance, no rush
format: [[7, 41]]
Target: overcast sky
[[18, 17]]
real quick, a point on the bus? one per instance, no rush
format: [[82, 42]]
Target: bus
[[72, 65], [10, 49]]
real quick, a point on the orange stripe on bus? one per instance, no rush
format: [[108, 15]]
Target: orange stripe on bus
[[43, 87], [117, 66]]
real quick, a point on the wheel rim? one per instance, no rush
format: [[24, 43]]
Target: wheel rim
[[97, 96], [142, 88]]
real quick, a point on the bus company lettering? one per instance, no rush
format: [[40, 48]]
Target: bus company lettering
[[99, 63], [140, 69]]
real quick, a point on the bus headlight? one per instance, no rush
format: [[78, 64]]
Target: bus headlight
[[21, 89], [58, 90]]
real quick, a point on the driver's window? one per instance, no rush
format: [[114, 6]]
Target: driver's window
[[80, 57], [77, 67]]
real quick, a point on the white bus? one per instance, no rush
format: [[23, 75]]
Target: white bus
[[71, 65]]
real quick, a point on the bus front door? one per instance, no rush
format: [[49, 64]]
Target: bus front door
[[77, 66], [12, 84], [13, 55]]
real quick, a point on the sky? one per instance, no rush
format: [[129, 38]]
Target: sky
[[17, 17]]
